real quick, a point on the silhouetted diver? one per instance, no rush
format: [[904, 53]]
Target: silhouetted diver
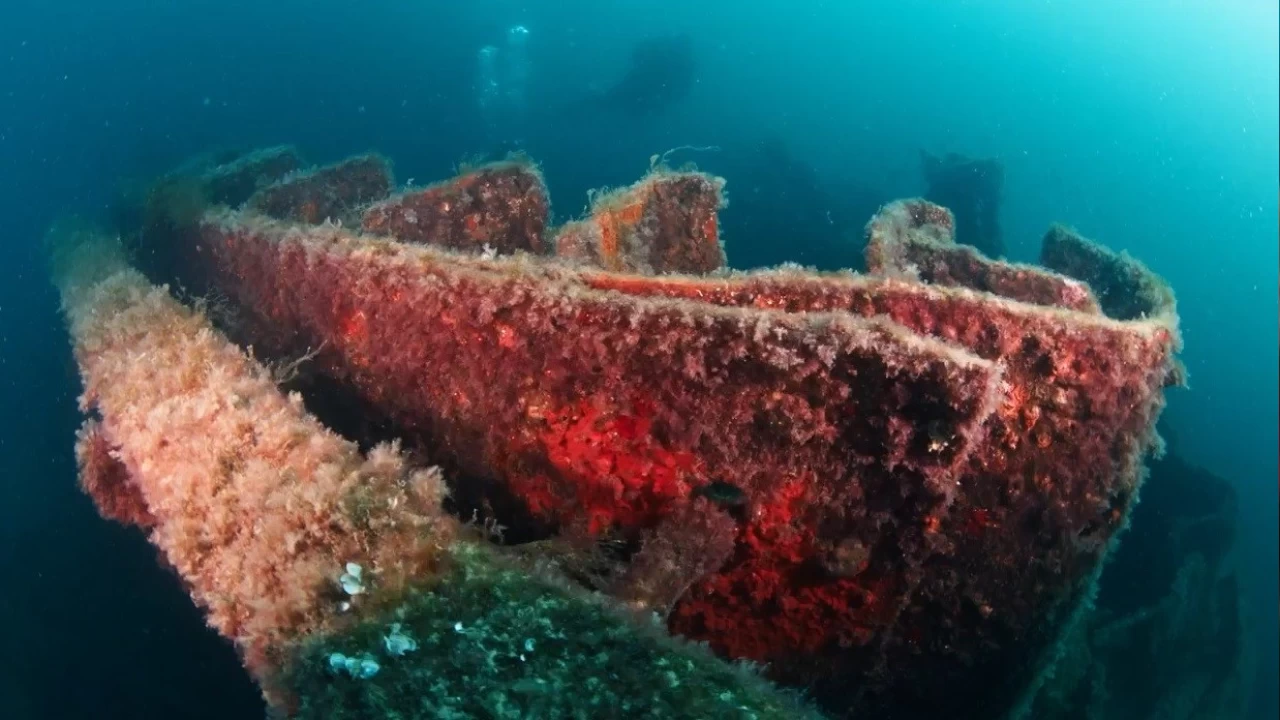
[[660, 74], [971, 189]]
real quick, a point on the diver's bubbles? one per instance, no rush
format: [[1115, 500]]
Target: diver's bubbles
[[488, 87], [502, 80], [487, 68], [517, 68]]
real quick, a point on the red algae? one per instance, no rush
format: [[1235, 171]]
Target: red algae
[[905, 482], [501, 206], [333, 193], [194, 440], [106, 480], [667, 222], [916, 238]]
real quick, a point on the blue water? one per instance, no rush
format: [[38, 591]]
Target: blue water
[[1150, 125]]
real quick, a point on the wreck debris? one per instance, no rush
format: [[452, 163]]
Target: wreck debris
[[667, 222], [916, 238], [502, 206], [304, 551], [928, 464], [334, 193]]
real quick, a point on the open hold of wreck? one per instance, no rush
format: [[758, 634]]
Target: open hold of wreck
[[895, 489]]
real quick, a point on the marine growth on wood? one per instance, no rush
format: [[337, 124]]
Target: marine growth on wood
[[895, 489]]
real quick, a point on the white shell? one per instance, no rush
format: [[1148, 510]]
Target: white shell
[[397, 643], [337, 662], [351, 584], [368, 668]]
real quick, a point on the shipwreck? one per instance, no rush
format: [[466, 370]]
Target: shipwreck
[[895, 490]]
